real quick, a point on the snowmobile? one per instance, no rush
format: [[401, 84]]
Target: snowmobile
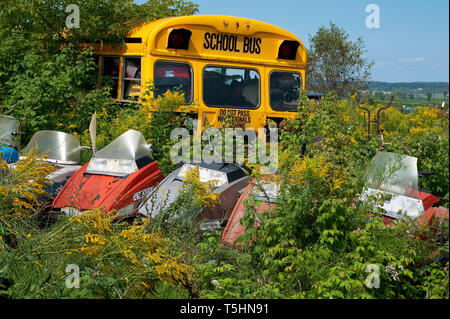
[[9, 138], [63, 152], [115, 179], [229, 181], [265, 192], [395, 177]]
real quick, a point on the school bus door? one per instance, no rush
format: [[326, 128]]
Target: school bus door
[[232, 93]]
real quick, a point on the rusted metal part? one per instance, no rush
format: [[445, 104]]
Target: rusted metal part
[[371, 121], [442, 113], [379, 111], [368, 112]]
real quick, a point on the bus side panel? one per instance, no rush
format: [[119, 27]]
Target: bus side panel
[[147, 74]]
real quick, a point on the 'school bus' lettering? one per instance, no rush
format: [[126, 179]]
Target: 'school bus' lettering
[[229, 42], [231, 70]]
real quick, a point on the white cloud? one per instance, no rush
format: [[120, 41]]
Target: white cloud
[[418, 59]]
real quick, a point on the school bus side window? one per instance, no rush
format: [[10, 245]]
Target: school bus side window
[[131, 83], [173, 76], [284, 90], [231, 87], [110, 73]]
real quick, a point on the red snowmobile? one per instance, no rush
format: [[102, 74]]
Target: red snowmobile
[[395, 177], [265, 193], [116, 179]]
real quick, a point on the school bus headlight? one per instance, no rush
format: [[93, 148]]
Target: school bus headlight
[[179, 39], [288, 50]]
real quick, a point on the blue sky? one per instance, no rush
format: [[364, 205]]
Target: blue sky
[[412, 43]]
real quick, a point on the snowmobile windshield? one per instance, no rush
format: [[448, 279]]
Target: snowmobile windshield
[[266, 191], [62, 148], [205, 174], [8, 126], [220, 173], [394, 173], [123, 156]]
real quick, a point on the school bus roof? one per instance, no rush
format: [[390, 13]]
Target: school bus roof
[[154, 35]]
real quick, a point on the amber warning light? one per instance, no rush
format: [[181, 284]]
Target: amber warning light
[[179, 39], [288, 50]]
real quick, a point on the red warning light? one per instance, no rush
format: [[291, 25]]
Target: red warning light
[[179, 39], [288, 50]]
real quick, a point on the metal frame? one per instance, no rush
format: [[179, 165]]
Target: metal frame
[[371, 121]]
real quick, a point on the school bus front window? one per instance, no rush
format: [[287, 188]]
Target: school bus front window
[[110, 70], [284, 90], [131, 83], [173, 76], [231, 87]]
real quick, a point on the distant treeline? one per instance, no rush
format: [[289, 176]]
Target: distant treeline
[[435, 87]]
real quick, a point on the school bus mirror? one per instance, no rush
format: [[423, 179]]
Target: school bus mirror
[[179, 39], [288, 50]]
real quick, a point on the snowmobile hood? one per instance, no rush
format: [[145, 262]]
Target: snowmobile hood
[[267, 200], [85, 191], [219, 173], [225, 176]]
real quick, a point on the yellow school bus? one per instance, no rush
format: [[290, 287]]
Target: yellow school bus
[[229, 68]]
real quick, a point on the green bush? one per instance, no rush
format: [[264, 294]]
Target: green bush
[[321, 241]]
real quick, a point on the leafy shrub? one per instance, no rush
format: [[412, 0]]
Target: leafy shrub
[[320, 239], [51, 92], [22, 185], [115, 261]]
